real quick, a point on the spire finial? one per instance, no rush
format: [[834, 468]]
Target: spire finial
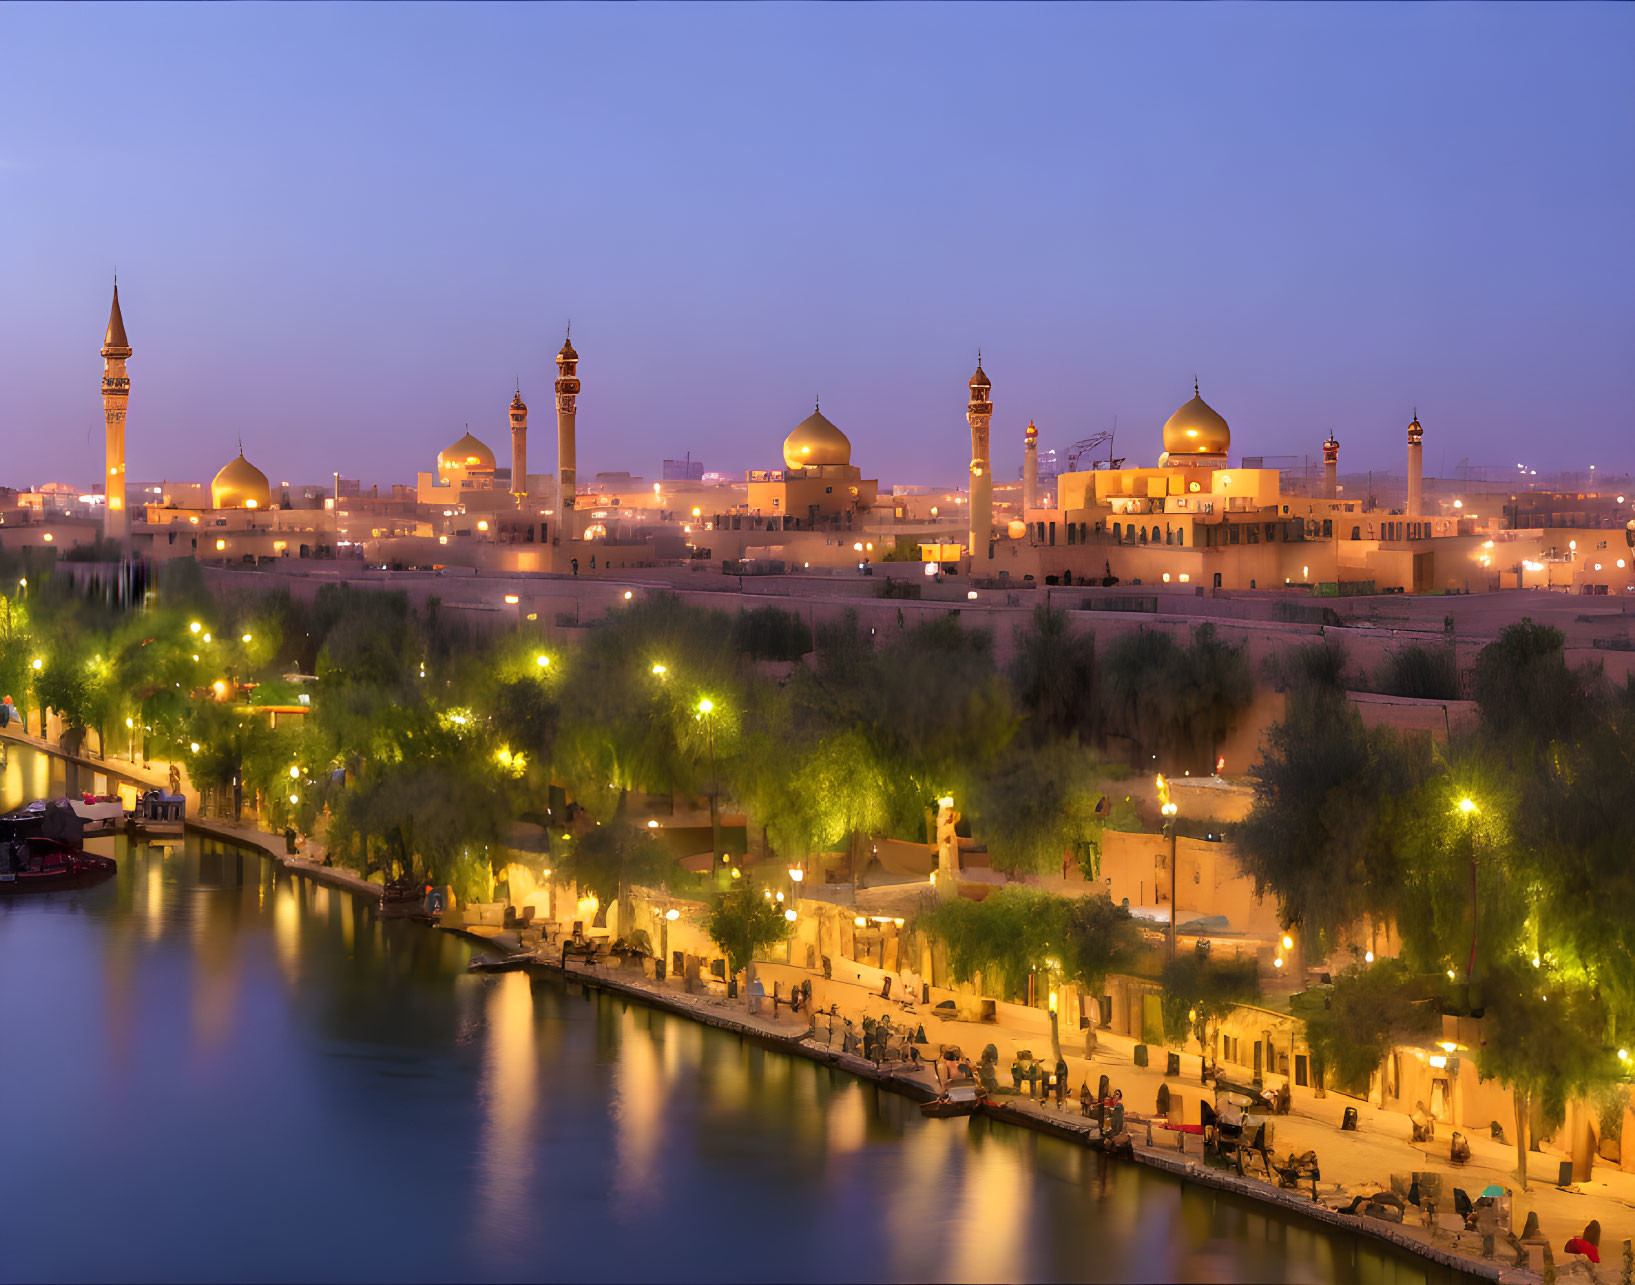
[[979, 356], [817, 403], [241, 445], [1195, 392]]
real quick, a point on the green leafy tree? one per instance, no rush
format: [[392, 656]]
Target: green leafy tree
[[1525, 689], [1324, 835], [1053, 672], [1543, 1042], [743, 923], [608, 859], [1351, 1027], [1036, 805], [1172, 701], [1420, 673], [1200, 992]]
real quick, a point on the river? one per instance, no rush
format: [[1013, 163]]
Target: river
[[215, 1069]]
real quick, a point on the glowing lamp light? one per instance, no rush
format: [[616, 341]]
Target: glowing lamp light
[[1450, 974], [48, 537], [483, 525], [672, 914], [652, 825], [779, 897], [790, 915], [542, 660], [931, 568], [1623, 1055], [1278, 962], [130, 722], [1438, 1061], [194, 746], [245, 638], [295, 773], [1447, 1046], [512, 600], [194, 627], [857, 547], [1166, 577], [659, 671], [796, 874], [970, 594], [1466, 806], [295, 798], [207, 638], [1288, 942], [946, 801], [697, 512], [1368, 957], [859, 921], [706, 705], [221, 544], [219, 687], [37, 664], [1053, 1003], [736, 873], [628, 595]]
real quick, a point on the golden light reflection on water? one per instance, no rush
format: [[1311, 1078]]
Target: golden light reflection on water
[[287, 929], [641, 1095], [509, 1094], [848, 1121]]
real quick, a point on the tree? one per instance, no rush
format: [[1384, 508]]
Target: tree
[[1318, 664], [743, 922], [1370, 1008], [1053, 674], [1173, 700], [1036, 804], [1323, 834], [1200, 991], [1420, 673], [609, 858], [1544, 1043], [1524, 688]]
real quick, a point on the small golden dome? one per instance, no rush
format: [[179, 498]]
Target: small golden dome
[[1031, 432], [240, 485], [1196, 429], [467, 453], [816, 441]]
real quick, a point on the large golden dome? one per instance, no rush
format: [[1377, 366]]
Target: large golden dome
[[816, 441], [467, 453], [1196, 429], [240, 485]]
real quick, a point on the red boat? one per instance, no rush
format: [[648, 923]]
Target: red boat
[[39, 851], [29, 865]]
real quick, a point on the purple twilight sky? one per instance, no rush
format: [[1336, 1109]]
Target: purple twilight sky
[[343, 231]]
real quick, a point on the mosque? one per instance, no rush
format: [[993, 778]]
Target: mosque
[[1189, 523]]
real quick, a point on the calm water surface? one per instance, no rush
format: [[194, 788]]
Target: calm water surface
[[215, 1070]]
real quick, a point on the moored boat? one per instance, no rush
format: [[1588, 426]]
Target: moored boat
[[961, 1096]]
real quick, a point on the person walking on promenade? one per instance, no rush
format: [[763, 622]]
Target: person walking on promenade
[[1061, 1081]]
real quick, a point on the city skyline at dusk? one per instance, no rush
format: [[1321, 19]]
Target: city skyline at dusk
[[344, 234]]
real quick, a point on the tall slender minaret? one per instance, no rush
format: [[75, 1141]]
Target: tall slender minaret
[[1331, 468], [1415, 465], [116, 393], [567, 396], [519, 448], [978, 413], [1030, 469]]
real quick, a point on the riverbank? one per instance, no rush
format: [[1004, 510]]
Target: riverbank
[[1350, 1162], [791, 1037]]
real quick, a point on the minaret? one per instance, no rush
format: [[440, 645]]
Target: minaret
[[1030, 469], [567, 395], [1331, 468], [978, 413], [519, 448], [1415, 465], [116, 392]]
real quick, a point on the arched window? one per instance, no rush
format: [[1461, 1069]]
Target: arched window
[[1180, 535], [1155, 535], [1356, 533], [1118, 530]]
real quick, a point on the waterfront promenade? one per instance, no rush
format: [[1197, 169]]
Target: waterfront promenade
[[1351, 1163]]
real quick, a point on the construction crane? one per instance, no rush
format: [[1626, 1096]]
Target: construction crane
[[1090, 446]]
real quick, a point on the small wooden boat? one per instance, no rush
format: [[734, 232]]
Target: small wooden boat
[[500, 963], [38, 864], [962, 1096]]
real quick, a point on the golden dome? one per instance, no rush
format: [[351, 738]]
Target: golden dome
[[816, 441], [240, 485], [467, 453], [1196, 429]]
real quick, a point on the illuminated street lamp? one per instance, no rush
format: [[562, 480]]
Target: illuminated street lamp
[[1168, 808], [670, 916], [706, 708]]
